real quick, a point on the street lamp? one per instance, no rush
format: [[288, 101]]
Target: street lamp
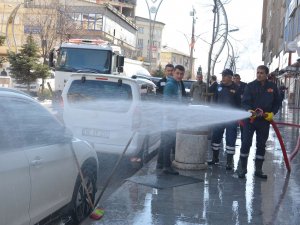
[[230, 61], [10, 28], [152, 10]]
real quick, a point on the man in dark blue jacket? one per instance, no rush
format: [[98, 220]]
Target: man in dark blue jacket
[[263, 95], [213, 88], [227, 95], [241, 87]]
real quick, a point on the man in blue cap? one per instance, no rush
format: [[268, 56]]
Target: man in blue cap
[[227, 95]]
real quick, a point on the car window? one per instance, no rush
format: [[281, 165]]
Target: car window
[[9, 136], [100, 95], [31, 124], [148, 92], [188, 84]]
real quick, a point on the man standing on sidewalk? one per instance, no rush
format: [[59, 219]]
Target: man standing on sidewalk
[[241, 87], [213, 88], [227, 95], [263, 95], [163, 81], [172, 94], [198, 89]]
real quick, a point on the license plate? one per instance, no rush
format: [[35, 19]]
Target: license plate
[[92, 132]]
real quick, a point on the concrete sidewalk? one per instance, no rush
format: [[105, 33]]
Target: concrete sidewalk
[[222, 198]]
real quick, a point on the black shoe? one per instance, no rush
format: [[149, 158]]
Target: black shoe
[[242, 174], [229, 166], [170, 170], [242, 167], [159, 166], [261, 175], [213, 162]]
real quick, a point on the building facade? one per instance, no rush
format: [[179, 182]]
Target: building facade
[[175, 57], [149, 53], [125, 7], [75, 19], [281, 43]]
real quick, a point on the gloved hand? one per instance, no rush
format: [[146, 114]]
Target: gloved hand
[[252, 112], [269, 116], [253, 115]]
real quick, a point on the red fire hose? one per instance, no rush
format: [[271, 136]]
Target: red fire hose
[[259, 113], [293, 154], [286, 160]]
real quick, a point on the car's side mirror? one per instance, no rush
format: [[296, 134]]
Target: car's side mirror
[[120, 63]]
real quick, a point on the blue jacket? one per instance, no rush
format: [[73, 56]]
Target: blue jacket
[[172, 90], [265, 97], [162, 83]]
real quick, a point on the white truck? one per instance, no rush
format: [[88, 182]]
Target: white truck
[[85, 56]]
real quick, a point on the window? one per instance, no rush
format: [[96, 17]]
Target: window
[[100, 95], [84, 60], [99, 22], [140, 43], [9, 134], [148, 92], [30, 124], [141, 30], [87, 21]]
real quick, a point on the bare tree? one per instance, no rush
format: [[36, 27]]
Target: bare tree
[[51, 23]]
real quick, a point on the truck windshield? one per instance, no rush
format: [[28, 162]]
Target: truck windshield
[[84, 60]]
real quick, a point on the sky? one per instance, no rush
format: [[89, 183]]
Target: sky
[[242, 14]]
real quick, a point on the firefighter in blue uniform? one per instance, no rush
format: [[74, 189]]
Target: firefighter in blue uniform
[[227, 95], [263, 95]]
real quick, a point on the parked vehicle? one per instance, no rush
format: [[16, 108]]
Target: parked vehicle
[[151, 78], [84, 56], [134, 67], [106, 110], [187, 86], [38, 170]]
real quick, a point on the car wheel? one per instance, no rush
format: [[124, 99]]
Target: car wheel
[[80, 205]]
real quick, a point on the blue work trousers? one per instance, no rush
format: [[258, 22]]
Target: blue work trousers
[[231, 135], [261, 127]]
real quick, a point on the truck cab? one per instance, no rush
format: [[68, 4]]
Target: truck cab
[[85, 56]]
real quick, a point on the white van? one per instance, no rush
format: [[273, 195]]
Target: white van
[[106, 110]]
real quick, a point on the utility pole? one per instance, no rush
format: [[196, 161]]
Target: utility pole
[[193, 12]]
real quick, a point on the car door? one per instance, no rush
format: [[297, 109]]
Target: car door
[[14, 172], [51, 164]]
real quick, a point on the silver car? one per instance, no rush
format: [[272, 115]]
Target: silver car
[[38, 169]]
